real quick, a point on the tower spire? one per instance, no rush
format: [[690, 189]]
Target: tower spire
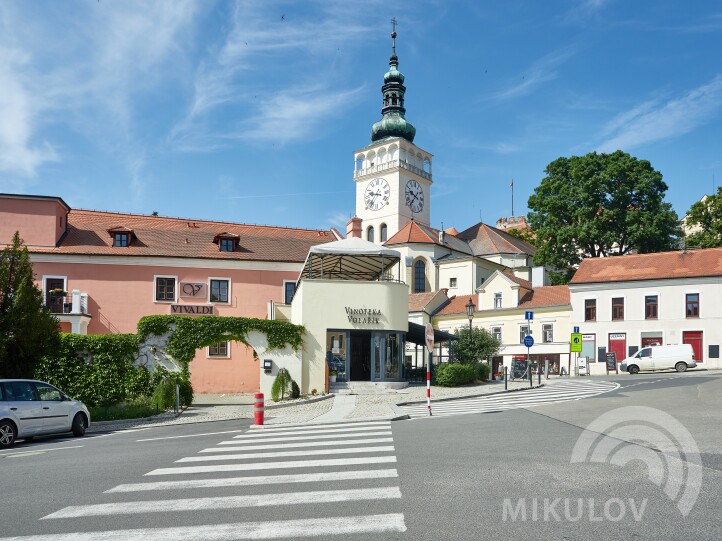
[[393, 123]]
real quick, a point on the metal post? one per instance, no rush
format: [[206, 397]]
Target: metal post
[[538, 372], [177, 398], [506, 379], [546, 368], [528, 368], [428, 385]]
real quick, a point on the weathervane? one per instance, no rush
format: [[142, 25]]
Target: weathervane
[[394, 22]]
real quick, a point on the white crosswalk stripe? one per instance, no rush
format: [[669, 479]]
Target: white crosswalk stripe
[[549, 394], [299, 470]]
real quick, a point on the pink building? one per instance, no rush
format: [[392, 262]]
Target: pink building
[[100, 272]]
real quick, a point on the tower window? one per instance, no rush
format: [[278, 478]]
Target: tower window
[[384, 232], [419, 277], [370, 233]]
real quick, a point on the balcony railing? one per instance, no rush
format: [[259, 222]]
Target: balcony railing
[[385, 166], [63, 304]]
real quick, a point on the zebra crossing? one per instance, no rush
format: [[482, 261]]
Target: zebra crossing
[[549, 394], [313, 473]]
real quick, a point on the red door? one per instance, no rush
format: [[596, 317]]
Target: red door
[[695, 339], [618, 344]]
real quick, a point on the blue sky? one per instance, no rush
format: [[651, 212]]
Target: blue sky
[[250, 111]]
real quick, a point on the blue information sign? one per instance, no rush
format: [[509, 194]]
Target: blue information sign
[[529, 315], [576, 330], [528, 340]]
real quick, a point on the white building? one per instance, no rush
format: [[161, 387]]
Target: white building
[[624, 303]]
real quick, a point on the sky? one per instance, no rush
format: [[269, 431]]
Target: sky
[[250, 111]]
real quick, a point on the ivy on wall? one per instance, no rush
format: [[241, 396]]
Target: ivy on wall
[[98, 369], [187, 334]]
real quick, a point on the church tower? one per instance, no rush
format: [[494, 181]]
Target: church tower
[[392, 174]]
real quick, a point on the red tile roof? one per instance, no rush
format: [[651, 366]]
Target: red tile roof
[[537, 298], [413, 232], [487, 240], [418, 301], [178, 237], [687, 264]]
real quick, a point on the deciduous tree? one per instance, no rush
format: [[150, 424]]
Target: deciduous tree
[[28, 331], [707, 215], [474, 346], [600, 205]]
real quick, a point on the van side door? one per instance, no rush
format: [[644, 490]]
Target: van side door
[[24, 406]]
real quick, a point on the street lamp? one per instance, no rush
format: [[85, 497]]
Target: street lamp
[[470, 307]]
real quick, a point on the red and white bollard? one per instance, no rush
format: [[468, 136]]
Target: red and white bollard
[[258, 408], [428, 388]]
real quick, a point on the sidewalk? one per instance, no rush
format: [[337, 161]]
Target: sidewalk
[[336, 408]]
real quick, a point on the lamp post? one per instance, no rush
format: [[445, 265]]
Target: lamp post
[[470, 307]]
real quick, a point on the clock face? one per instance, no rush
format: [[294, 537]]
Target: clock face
[[414, 196], [377, 194]]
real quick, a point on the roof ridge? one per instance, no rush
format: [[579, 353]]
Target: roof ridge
[[203, 220]]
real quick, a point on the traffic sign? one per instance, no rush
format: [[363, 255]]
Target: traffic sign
[[529, 315], [528, 340], [576, 330], [429, 334], [576, 342]]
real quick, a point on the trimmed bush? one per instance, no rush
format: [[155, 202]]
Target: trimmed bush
[[295, 391], [281, 384], [455, 374]]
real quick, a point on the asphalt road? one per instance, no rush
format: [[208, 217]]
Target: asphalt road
[[505, 475]]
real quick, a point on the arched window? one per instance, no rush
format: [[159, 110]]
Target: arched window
[[370, 233], [384, 233], [359, 163], [419, 276]]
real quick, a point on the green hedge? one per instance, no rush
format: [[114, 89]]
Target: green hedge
[[455, 374], [109, 377]]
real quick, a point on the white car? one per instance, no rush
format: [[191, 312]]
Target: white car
[[31, 408]]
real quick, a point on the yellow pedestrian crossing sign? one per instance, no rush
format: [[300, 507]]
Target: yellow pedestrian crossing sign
[[576, 342]]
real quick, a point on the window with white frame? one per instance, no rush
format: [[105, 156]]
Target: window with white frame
[[452, 282], [497, 300], [523, 332], [496, 333], [219, 290], [547, 332], [218, 350]]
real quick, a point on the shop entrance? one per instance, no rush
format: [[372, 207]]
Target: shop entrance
[[360, 356]]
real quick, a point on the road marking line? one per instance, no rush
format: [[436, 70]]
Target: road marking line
[[296, 445], [322, 463], [227, 502], [301, 528], [191, 435], [305, 452], [257, 435], [384, 432], [36, 451], [257, 480], [307, 426]]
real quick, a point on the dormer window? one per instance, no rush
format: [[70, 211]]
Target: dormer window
[[227, 242], [121, 240], [122, 236]]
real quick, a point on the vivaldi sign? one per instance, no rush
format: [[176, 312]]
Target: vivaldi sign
[[368, 316], [191, 309]]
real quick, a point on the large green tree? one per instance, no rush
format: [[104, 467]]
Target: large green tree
[[473, 346], [706, 215], [28, 331], [600, 205]]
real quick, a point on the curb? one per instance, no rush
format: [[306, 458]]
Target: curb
[[309, 401], [415, 402]]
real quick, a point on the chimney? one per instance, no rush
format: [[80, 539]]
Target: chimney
[[353, 227], [539, 277], [442, 237]]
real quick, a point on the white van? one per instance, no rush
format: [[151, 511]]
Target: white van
[[680, 357]]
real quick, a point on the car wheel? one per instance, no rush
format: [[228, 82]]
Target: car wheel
[[680, 367], [633, 370], [8, 433], [79, 425]]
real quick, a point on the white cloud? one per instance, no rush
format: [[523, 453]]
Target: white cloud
[[541, 71], [20, 152], [655, 120]]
